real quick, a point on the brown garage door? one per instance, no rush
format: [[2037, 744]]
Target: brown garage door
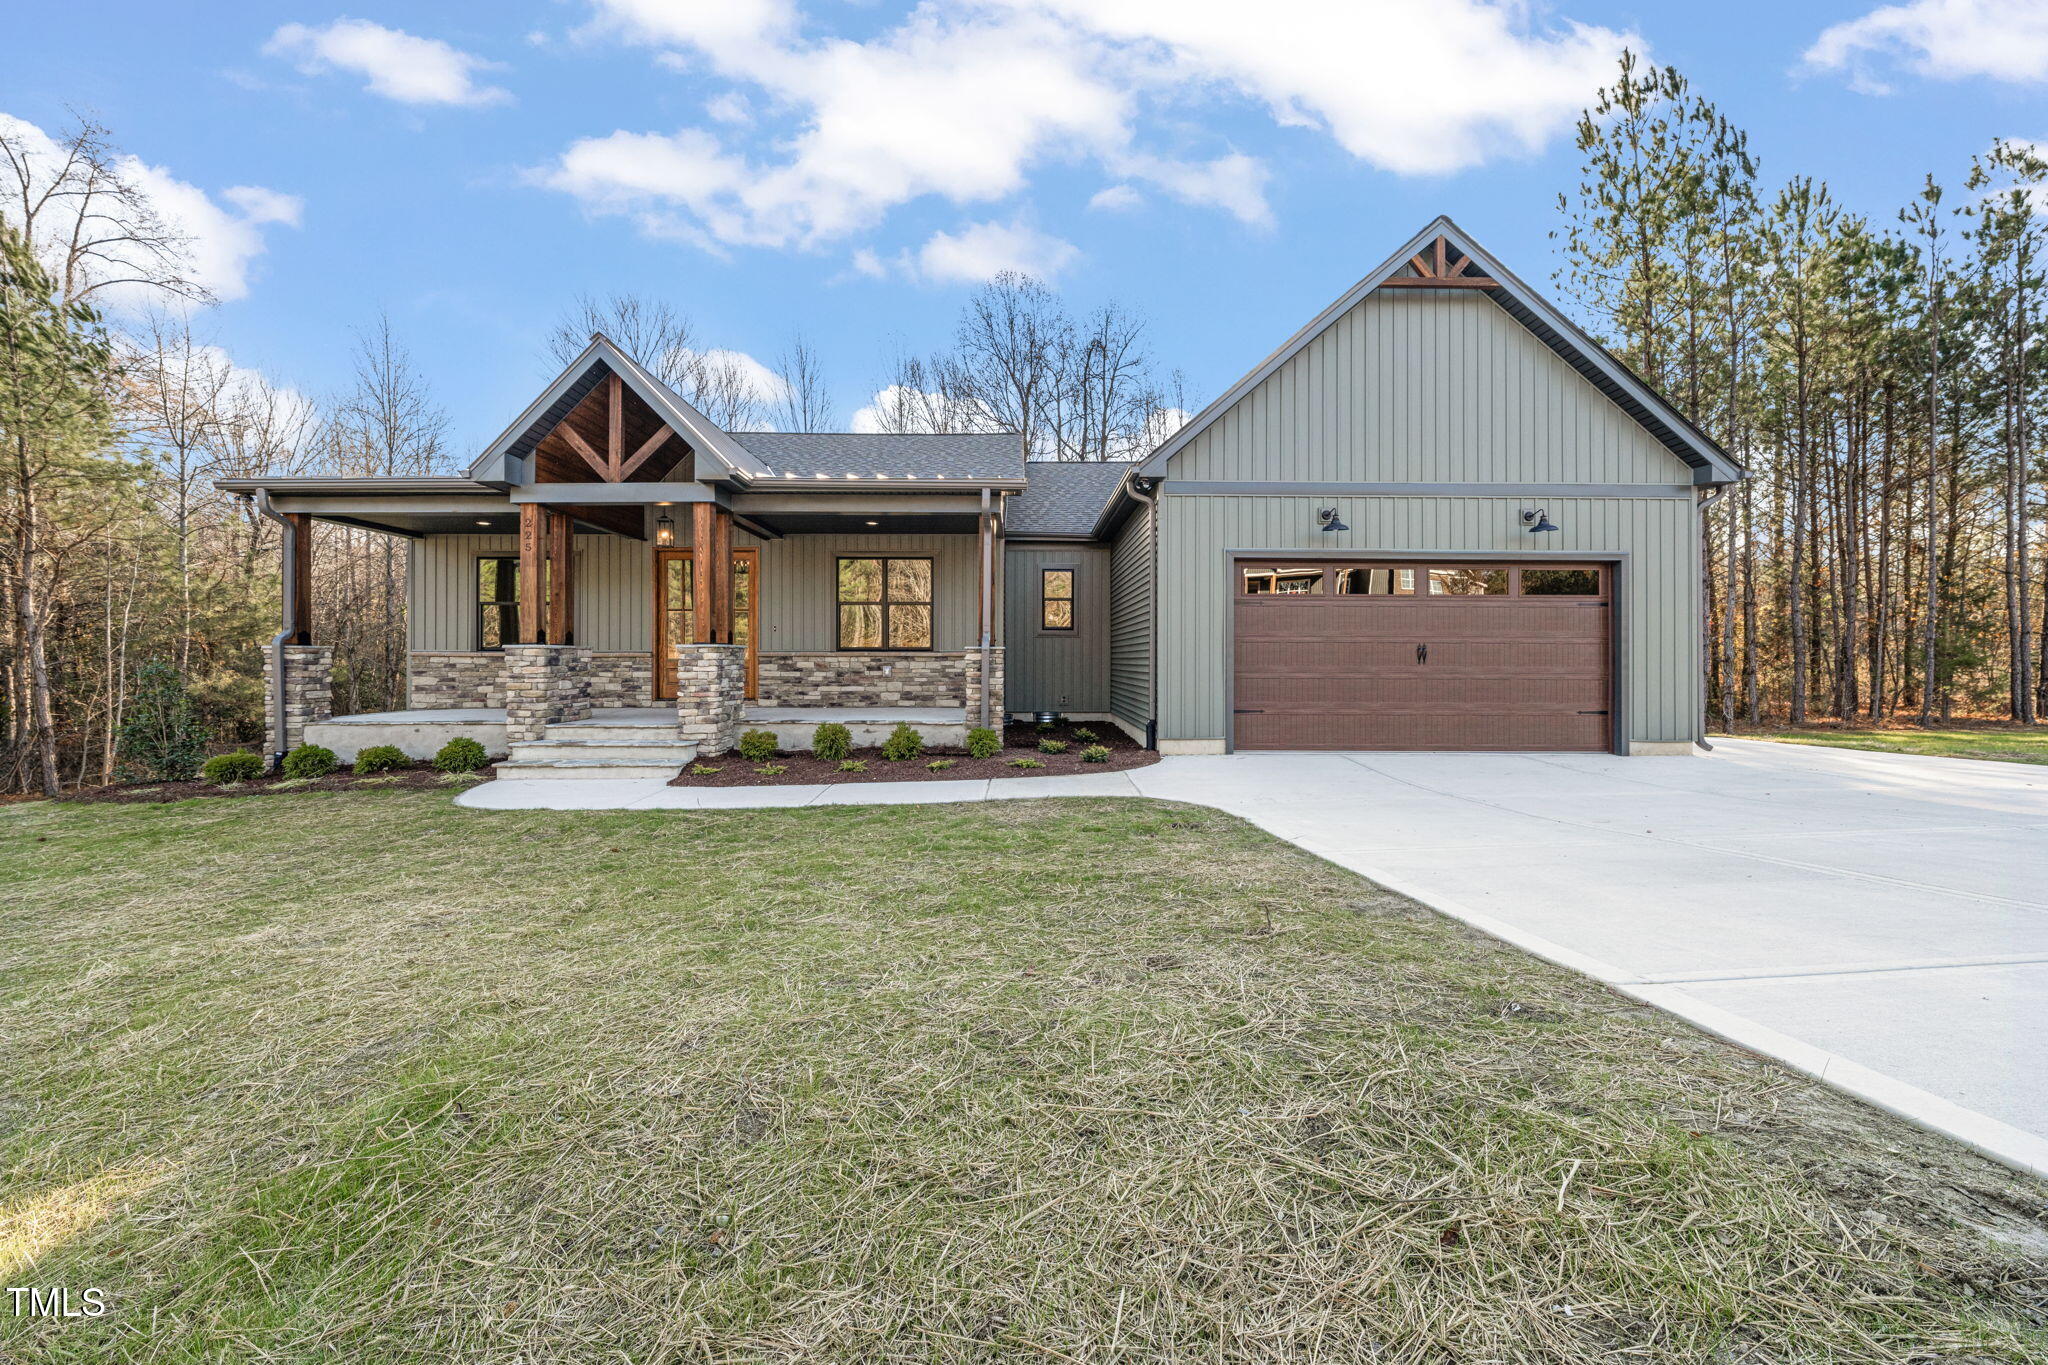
[[1414, 655]]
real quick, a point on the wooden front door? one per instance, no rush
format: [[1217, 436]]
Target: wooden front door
[[673, 584]]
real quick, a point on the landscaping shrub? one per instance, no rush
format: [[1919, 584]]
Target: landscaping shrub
[[1052, 746], [162, 738], [461, 755], [772, 769], [939, 765], [239, 766], [706, 769], [380, 758], [983, 742], [903, 742], [758, 746], [1026, 763], [309, 761], [853, 765], [1095, 753], [832, 741], [1084, 734]]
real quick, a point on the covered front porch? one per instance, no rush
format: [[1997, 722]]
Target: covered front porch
[[421, 732]]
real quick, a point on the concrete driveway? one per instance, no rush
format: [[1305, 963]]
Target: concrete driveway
[[1875, 919], [1878, 920]]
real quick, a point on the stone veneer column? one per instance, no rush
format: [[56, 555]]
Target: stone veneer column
[[711, 688], [308, 692], [544, 685], [995, 686]]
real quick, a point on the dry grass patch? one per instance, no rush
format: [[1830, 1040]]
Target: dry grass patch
[[376, 1078]]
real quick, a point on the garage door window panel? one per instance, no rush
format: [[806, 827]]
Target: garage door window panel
[[1468, 582], [1374, 581], [1281, 580], [1561, 583]]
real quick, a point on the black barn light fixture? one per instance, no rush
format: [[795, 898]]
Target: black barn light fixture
[[1538, 521], [1328, 519]]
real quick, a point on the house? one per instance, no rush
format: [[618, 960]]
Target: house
[[1437, 517]]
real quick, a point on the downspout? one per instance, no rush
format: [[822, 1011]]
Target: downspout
[[987, 600], [1151, 515], [1699, 537], [290, 626]]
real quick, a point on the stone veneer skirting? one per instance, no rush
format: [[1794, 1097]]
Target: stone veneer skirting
[[308, 693], [544, 685], [446, 680], [879, 678]]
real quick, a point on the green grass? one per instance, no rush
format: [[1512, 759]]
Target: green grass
[[2001, 743], [369, 1077]]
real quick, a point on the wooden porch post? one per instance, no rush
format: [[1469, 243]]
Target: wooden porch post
[[298, 583], [532, 571], [561, 585], [721, 561], [702, 514]]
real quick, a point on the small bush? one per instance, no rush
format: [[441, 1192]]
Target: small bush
[[1025, 763], [706, 769], [1052, 746], [309, 761], [1084, 734], [239, 766], [1095, 753], [772, 769], [983, 742], [162, 738], [902, 743], [758, 746], [380, 758], [853, 765], [939, 765], [832, 741], [461, 755]]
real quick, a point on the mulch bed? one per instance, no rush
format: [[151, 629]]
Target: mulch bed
[[421, 777], [1019, 741]]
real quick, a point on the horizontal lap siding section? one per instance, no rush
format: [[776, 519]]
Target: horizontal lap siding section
[[1661, 659], [1418, 386], [1130, 629], [1057, 670]]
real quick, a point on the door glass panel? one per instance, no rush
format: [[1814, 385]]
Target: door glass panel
[[1364, 582], [1560, 582], [860, 627], [1297, 579], [910, 627], [742, 585], [1059, 616], [1468, 582]]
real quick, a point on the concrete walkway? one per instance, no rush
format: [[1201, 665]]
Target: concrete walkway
[[1877, 920]]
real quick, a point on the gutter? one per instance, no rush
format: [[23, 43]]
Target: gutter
[[289, 629], [988, 536]]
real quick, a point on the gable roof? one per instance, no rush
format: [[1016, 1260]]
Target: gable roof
[[1710, 464], [901, 455], [715, 448], [1063, 498]]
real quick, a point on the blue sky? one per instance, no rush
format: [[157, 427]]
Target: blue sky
[[847, 170]]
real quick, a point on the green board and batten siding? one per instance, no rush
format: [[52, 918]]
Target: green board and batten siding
[[1065, 671], [1436, 388], [615, 589]]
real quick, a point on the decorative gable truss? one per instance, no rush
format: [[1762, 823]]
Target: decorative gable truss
[[1441, 266]]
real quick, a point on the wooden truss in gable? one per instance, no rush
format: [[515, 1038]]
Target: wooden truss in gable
[[1440, 267]]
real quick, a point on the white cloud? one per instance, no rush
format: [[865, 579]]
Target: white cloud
[[1116, 199], [964, 100], [742, 369], [731, 107], [221, 242], [397, 65], [981, 250], [2005, 40]]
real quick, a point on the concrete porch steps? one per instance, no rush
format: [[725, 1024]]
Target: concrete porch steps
[[577, 751]]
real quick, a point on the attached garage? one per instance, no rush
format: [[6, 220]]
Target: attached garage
[[1437, 517], [1408, 654]]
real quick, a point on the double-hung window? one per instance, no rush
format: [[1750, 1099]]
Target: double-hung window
[[497, 601], [885, 602], [1056, 599]]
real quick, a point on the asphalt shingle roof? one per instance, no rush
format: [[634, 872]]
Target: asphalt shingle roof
[[940, 456], [1060, 498]]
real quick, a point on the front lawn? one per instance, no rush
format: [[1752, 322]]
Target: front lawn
[[369, 1077], [1993, 740]]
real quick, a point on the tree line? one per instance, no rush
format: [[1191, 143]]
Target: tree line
[[117, 415], [1881, 380]]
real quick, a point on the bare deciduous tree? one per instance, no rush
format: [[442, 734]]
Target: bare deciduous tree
[[805, 403]]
